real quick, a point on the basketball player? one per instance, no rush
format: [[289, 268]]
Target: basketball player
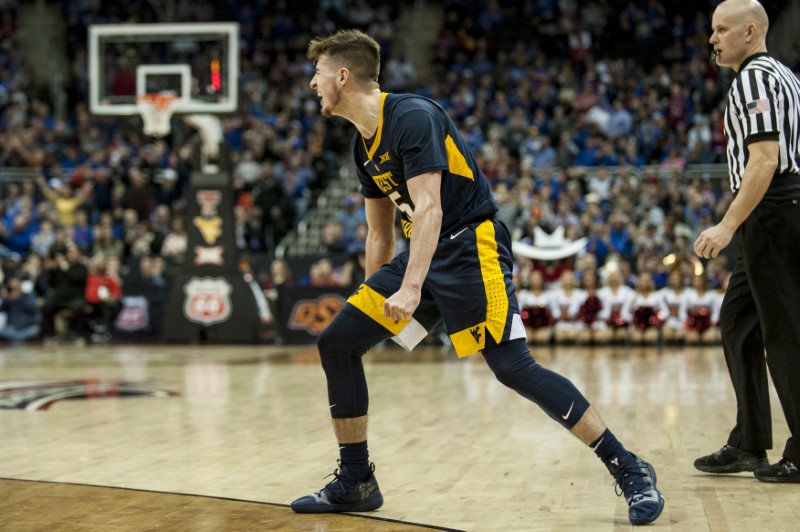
[[762, 125], [410, 156]]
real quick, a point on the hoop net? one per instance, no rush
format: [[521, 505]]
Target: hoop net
[[156, 109]]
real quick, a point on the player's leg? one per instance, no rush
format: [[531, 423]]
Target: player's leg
[[342, 345], [515, 367], [483, 310]]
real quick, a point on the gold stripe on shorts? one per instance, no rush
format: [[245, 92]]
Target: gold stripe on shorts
[[370, 303], [493, 281], [473, 339]]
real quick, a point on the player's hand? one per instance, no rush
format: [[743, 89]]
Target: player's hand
[[402, 304], [712, 241]]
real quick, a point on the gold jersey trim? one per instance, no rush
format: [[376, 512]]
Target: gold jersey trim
[[456, 162], [371, 151]]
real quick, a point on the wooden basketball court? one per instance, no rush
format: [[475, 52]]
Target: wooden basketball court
[[247, 430]]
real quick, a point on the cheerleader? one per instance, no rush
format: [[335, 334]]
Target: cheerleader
[[671, 300], [535, 310], [645, 312], [701, 312], [616, 298], [589, 309], [564, 304]]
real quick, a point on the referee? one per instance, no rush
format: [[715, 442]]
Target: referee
[[761, 309]]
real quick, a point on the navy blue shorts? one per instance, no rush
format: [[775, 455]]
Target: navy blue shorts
[[469, 286]]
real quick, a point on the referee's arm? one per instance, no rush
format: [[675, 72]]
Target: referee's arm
[[761, 165]]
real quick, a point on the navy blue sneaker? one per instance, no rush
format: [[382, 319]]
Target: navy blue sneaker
[[636, 479], [342, 494]]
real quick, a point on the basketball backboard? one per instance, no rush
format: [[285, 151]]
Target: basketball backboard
[[198, 63]]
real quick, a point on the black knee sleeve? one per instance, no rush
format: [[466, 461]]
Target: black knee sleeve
[[514, 366], [341, 346]]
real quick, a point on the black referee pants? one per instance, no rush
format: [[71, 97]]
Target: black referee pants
[[761, 310]]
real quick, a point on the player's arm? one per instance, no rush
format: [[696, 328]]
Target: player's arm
[[761, 165], [424, 190], [379, 247]]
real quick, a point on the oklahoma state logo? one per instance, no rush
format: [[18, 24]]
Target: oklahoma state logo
[[313, 316]]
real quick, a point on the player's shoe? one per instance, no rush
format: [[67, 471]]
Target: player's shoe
[[783, 471], [343, 494], [636, 479], [731, 459]]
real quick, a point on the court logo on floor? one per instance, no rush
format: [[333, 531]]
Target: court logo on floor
[[41, 395]]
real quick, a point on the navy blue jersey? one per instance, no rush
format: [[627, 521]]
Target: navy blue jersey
[[416, 136]]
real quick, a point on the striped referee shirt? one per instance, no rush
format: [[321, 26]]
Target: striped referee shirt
[[763, 104]]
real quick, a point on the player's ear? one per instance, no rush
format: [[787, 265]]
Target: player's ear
[[344, 75]]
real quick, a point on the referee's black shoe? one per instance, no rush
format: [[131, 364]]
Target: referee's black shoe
[[783, 471], [731, 459]]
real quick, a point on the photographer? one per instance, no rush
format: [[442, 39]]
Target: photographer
[[66, 276]]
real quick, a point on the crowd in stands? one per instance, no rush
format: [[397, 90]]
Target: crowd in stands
[[569, 107]]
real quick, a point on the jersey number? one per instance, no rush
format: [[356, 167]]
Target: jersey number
[[404, 207]]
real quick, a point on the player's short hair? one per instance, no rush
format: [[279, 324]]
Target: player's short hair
[[357, 51]]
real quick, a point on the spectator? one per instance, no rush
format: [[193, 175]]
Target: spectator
[[350, 216], [620, 122], [277, 209], [535, 309], [589, 312], [22, 315], [616, 298], [646, 318], [17, 239], [105, 243], [672, 307], [65, 201], [173, 250], [701, 312], [565, 303], [103, 296], [82, 232], [353, 271], [332, 239], [619, 236]]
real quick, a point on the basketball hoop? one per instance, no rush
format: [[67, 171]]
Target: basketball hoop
[[156, 109]]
